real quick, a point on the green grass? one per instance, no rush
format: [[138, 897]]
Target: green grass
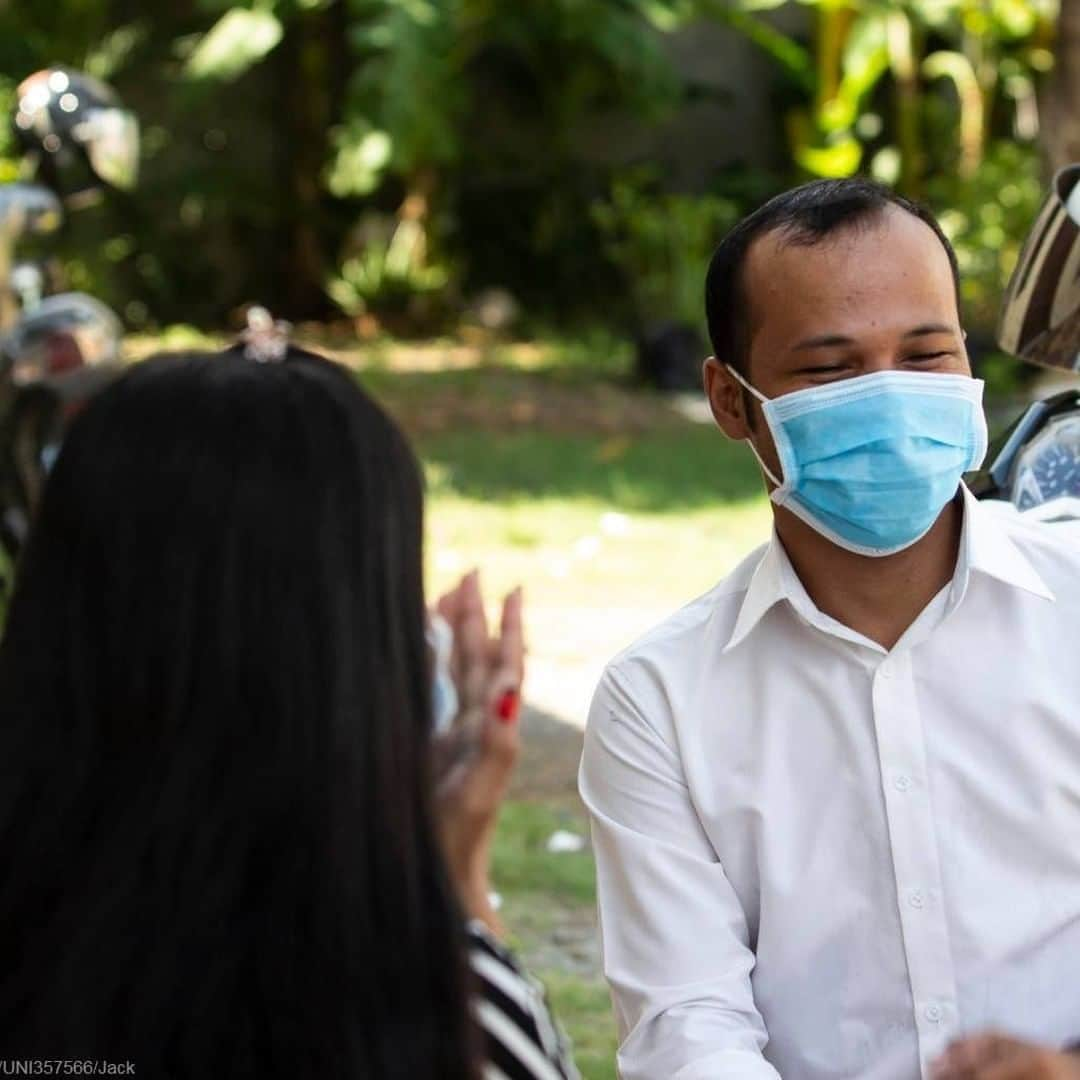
[[668, 471], [522, 865], [584, 1009], [542, 894], [574, 553], [595, 492]]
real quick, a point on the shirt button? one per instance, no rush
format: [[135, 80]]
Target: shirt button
[[902, 783], [933, 1013], [915, 899], [885, 670]]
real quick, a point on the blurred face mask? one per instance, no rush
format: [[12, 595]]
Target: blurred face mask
[[871, 462], [444, 697]]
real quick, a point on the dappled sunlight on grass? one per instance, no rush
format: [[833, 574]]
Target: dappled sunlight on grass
[[595, 579], [606, 502], [578, 552], [586, 356], [506, 433]]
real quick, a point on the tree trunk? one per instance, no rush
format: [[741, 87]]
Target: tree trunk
[[310, 98], [902, 53], [1061, 108]]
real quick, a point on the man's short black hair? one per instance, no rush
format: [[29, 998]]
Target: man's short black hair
[[803, 215]]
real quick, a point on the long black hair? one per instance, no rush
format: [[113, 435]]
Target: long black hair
[[217, 845]]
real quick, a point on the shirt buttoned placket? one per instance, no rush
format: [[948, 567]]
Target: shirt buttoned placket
[[915, 859]]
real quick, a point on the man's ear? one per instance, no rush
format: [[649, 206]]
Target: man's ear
[[726, 399]]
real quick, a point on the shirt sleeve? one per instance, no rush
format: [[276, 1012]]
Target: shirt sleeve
[[674, 936]]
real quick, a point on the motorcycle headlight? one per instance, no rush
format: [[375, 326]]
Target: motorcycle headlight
[[1048, 468]]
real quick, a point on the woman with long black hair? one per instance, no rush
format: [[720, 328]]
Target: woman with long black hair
[[229, 843]]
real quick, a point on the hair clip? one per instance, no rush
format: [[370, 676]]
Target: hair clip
[[266, 340]]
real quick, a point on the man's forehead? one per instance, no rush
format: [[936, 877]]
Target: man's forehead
[[886, 257], [866, 233]]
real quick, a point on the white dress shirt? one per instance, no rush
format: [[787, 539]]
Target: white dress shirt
[[821, 859]]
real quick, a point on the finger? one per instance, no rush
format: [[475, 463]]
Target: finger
[[449, 607], [511, 642], [449, 603], [474, 643]]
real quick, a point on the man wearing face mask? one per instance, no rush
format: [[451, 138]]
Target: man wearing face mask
[[836, 800]]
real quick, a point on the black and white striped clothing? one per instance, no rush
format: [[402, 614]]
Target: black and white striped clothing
[[522, 1041]]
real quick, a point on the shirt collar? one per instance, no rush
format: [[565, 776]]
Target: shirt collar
[[985, 548], [768, 586]]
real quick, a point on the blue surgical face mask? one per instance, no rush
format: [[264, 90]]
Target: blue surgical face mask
[[444, 697], [871, 462]]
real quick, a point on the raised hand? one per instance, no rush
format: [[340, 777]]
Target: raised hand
[[991, 1056], [475, 759]]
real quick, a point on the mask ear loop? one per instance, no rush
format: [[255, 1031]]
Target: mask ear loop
[[750, 442]]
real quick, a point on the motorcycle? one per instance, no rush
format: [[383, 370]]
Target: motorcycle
[[1034, 468], [57, 350]]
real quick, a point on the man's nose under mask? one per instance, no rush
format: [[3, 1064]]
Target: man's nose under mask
[[871, 462]]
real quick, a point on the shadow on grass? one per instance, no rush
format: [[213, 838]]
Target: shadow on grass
[[502, 434], [691, 468]]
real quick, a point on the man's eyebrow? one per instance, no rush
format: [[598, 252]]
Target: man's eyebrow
[[929, 328], [824, 341]]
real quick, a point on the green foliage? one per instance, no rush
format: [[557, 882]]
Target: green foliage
[[9, 165], [935, 97], [240, 38], [452, 99], [662, 242], [864, 54], [390, 272], [408, 78], [987, 217], [361, 156], [1005, 377], [276, 131]]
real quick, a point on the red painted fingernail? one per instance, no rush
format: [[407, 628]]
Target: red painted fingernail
[[506, 708]]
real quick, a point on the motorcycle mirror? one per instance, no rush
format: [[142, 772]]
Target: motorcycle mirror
[[28, 208], [1040, 317]]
